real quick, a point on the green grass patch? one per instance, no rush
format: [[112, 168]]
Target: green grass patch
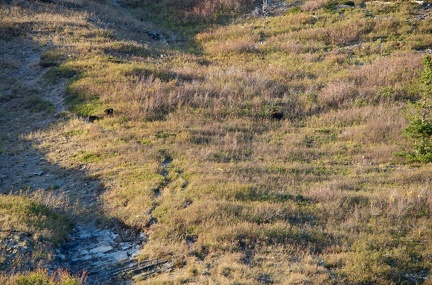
[[81, 105], [33, 228], [53, 57], [36, 104], [88, 157], [24, 214], [62, 71], [43, 277], [130, 49]]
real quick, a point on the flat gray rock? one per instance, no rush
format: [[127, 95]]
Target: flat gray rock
[[119, 255], [101, 249]]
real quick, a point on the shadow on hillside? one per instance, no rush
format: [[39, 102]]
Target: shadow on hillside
[[26, 107], [166, 25]]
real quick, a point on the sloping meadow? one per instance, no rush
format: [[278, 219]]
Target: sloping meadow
[[193, 157]]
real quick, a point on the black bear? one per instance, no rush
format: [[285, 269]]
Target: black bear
[[276, 115], [92, 119], [109, 111]]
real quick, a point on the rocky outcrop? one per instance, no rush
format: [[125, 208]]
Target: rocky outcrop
[[99, 251]]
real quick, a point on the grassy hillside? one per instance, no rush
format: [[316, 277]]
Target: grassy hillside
[[31, 228], [192, 157]]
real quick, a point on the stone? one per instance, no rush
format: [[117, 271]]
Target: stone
[[84, 235], [74, 259], [83, 252], [119, 255], [86, 257], [125, 246], [134, 253], [101, 249]]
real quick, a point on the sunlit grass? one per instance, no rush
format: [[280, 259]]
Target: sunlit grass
[[318, 197], [32, 225]]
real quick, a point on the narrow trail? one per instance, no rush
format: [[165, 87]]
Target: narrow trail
[[164, 171], [95, 247], [106, 251]]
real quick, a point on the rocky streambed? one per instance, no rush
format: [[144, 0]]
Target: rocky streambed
[[103, 253]]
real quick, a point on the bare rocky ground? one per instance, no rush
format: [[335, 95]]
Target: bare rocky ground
[[104, 250]]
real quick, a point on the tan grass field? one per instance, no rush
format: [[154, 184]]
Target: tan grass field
[[192, 157]]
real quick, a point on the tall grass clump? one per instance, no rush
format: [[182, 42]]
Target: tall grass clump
[[42, 277], [184, 15]]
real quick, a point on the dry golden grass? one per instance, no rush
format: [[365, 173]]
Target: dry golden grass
[[32, 225], [40, 276], [238, 197], [312, 5]]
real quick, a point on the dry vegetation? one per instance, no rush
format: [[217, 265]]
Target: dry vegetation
[[40, 276], [192, 158], [33, 224]]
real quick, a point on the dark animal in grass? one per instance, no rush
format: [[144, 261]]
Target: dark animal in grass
[[109, 111], [276, 115], [154, 35], [92, 119]]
